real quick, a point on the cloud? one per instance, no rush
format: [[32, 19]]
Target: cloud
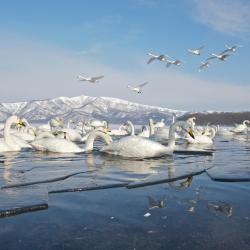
[[30, 70], [227, 16]]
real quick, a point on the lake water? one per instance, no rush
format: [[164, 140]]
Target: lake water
[[210, 210]]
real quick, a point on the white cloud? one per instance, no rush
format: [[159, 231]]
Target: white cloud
[[30, 70], [227, 16]]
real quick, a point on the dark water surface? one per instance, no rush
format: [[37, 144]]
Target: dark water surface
[[210, 210]]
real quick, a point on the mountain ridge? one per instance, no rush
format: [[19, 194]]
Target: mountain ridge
[[86, 107]]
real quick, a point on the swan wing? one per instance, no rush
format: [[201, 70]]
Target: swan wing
[[150, 60], [97, 78], [143, 84]]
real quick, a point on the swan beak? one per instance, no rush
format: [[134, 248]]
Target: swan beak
[[20, 122], [190, 132]]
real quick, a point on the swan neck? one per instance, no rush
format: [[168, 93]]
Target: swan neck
[[171, 140], [213, 132], [92, 136], [7, 135], [151, 127], [132, 128]]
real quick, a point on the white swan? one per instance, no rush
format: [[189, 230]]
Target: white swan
[[204, 65], [8, 143], [58, 145], [220, 56], [122, 130], [156, 57], [173, 62], [197, 51], [203, 139], [94, 79], [137, 88], [241, 128], [138, 147]]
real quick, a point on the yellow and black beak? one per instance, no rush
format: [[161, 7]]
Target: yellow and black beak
[[190, 132], [21, 123]]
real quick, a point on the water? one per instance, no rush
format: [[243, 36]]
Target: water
[[208, 211]]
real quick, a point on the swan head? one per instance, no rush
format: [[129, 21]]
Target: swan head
[[190, 132]]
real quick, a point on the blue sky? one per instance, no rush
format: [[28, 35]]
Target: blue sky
[[46, 44]]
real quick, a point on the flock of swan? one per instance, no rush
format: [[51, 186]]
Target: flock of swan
[[222, 56], [154, 140]]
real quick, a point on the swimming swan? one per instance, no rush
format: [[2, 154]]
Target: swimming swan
[[241, 127], [59, 145], [138, 147], [7, 143]]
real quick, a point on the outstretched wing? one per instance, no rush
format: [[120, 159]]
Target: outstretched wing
[[130, 87], [97, 78], [201, 47], [82, 78], [210, 58], [150, 60], [224, 51], [141, 85], [168, 64]]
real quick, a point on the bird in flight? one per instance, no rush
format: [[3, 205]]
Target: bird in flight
[[204, 65], [156, 57], [231, 48], [174, 62], [220, 56], [197, 51], [138, 88], [90, 79]]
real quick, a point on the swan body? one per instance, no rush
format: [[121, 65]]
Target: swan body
[[8, 143], [138, 147], [58, 145]]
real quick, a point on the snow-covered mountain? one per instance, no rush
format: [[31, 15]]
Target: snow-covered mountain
[[85, 107]]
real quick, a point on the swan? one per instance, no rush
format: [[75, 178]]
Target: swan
[[137, 88], [231, 48], [94, 79], [138, 147], [173, 62], [204, 65], [122, 130], [241, 128], [97, 123], [197, 51], [156, 57], [58, 145], [221, 56], [8, 143], [202, 139]]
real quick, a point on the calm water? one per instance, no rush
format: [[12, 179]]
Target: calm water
[[203, 212]]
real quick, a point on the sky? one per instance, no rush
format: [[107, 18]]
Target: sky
[[46, 44]]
